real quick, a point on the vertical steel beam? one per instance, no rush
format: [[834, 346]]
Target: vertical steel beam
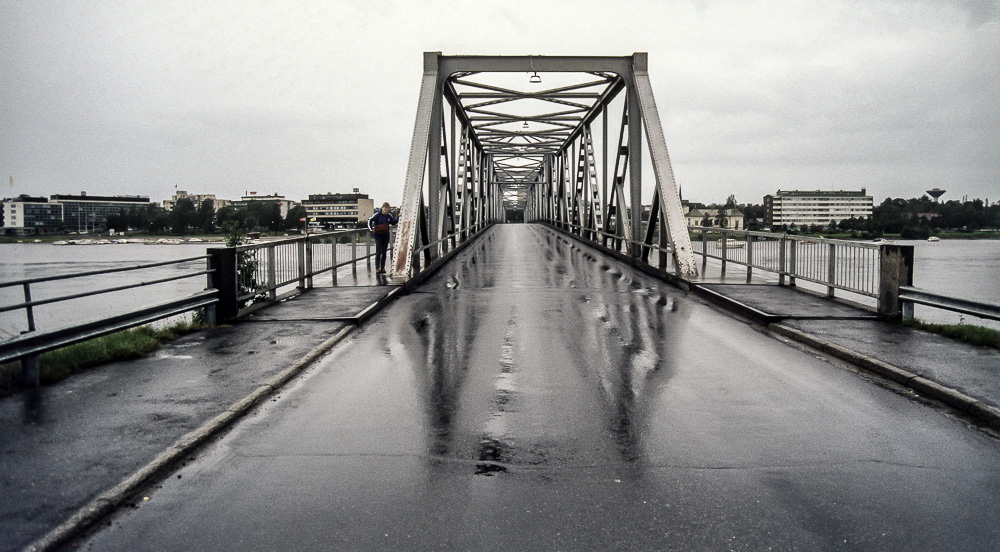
[[604, 165], [670, 199], [438, 149], [406, 236], [635, 124]]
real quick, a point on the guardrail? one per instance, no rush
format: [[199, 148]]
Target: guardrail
[[910, 296], [877, 270], [34, 342], [254, 274]]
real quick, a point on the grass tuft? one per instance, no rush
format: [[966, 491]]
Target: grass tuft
[[966, 333], [128, 344]]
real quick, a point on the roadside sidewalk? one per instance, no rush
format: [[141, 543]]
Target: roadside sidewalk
[[64, 446], [963, 376]]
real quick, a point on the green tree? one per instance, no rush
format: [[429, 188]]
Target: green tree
[[206, 216], [292, 219], [182, 215]]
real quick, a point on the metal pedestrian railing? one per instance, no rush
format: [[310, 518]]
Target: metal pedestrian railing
[[869, 269], [34, 341], [836, 264], [260, 273]]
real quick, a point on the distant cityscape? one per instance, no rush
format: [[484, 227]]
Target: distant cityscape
[[60, 213], [807, 210]]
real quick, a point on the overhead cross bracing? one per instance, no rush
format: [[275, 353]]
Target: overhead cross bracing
[[502, 134]]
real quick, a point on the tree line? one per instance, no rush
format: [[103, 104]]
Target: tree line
[[186, 217]]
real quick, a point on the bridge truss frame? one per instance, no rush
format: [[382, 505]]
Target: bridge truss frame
[[463, 176]]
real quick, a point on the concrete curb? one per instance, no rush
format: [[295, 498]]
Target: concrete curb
[[108, 501], [985, 413]]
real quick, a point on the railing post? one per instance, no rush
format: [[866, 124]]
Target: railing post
[[333, 262], [28, 310], [368, 252], [309, 263], [831, 275], [272, 287], [704, 250], [792, 261], [301, 250], [749, 242], [725, 253], [354, 254], [907, 307], [782, 269], [222, 260], [895, 270]]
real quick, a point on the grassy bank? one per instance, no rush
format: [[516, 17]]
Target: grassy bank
[[966, 333], [127, 344]]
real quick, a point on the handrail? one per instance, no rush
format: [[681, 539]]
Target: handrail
[[261, 269], [100, 291], [98, 272], [845, 265], [909, 295], [34, 343]]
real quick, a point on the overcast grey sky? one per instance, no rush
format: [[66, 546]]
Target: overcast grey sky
[[137, 97]]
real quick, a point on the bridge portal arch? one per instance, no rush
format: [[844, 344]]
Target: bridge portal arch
[[515, 134]]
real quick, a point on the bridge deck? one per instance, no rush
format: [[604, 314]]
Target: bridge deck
[[573, 403]]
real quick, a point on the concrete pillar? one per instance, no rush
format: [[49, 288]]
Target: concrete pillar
[[223, 261], [895, 270]]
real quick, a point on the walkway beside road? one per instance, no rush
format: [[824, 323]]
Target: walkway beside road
[[67, 444], [963, 376]]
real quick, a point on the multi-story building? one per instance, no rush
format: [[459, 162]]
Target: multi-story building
[[197, 199], [283, 203], [85, 213], [800, 208], [733, 217], [333, 210], [31, 215]]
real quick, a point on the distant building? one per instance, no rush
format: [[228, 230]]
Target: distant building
[[85, 213], [197, 199], [31, 215], [333, 210], [695, 217], [283, 203], [803, 208]]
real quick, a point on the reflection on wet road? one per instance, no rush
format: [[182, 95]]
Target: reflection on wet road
[[530, 350], [534, 395]]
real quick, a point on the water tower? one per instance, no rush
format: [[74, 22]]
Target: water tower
[[935, 193]]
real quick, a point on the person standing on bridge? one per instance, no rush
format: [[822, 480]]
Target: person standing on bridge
[[379, 225]]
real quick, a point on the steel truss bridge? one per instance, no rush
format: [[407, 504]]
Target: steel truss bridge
[[499, 137]]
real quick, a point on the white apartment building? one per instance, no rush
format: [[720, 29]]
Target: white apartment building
[[333, 210], [800, 208], [30, 215]]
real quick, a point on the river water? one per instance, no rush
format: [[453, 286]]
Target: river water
[[964, 268]]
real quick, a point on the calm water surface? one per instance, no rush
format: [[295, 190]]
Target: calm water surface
[[965, 268]]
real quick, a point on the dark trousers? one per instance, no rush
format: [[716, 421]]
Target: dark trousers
[[381, 248]]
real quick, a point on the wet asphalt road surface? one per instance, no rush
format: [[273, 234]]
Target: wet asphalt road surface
[[534, 396]]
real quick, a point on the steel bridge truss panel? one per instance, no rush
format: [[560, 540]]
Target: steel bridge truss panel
[[530, 148]]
